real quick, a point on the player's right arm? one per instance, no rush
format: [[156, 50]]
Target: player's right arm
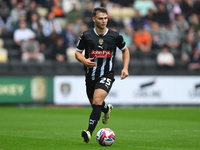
[[87, 62], [78, 54]]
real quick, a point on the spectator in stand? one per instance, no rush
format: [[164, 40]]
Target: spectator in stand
[[194, 21], [127, 35], [22, 18], [51, 28], [67, 5], [162, 16], [104, 3], [31, 10], [57, 9], [187, 7], [173, 8], [31, 50], [36, 26], [181, 24], [125, 3], [3, 52], [34, 22], [83, 28], [12, 3], [144, 6], [84, 4], [26, 4], [45, 47], [173, 38], [157, 35], [45, 3], [5, 19], [191, 29], [17, 11], [138, 20], [165, 59], [22, 34], [198, 39], [74, 14], [59, 51], [195, 59], [70, 41], [114, 24], [149, 17], [197, 7], [69, 36], [5, 25], [87, 14], [77, 27], [187, 48], [4, 11], [142, 40]]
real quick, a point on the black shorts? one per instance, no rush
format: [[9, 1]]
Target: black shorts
[[104, 83]]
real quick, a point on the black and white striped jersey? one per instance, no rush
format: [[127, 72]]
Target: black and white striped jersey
[[103, 49]]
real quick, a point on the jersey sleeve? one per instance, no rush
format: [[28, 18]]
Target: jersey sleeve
[[81, 45], [121, 44]]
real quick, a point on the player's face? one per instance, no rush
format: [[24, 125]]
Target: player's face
[[100, 20]]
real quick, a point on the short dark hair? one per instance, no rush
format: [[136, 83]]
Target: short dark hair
[[164, 46], [98, 10]]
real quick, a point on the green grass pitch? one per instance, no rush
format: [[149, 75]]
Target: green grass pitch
[[136, 128]]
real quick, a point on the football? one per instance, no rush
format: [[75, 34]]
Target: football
[[105, 137]]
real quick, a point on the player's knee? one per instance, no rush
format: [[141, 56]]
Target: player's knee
[[97, 101]]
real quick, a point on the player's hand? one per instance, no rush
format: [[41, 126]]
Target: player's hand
[[89, 63], [124, 74]]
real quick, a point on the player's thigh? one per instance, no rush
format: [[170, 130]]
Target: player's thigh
[[102, 88], [99, 96]]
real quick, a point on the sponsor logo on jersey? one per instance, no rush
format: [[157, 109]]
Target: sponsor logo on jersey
[[100, 53]]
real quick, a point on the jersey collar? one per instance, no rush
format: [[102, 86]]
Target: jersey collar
[[103, 34]]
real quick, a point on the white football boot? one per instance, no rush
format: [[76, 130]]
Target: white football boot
[[86, 135], [106, 116]]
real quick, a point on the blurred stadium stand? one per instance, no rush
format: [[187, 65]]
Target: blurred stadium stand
[[140, 63]]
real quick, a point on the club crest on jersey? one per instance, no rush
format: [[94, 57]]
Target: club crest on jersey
[[100, 41]]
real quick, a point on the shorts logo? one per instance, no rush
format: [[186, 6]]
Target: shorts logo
[[100, 53]]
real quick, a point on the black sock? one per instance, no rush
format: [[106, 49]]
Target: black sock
[[94, 117], [104, 107]]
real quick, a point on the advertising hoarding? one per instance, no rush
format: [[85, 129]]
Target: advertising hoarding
[[35, 89], [134, 90]]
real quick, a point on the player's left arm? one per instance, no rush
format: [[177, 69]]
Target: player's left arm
[[126, 59], [125, 56]]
